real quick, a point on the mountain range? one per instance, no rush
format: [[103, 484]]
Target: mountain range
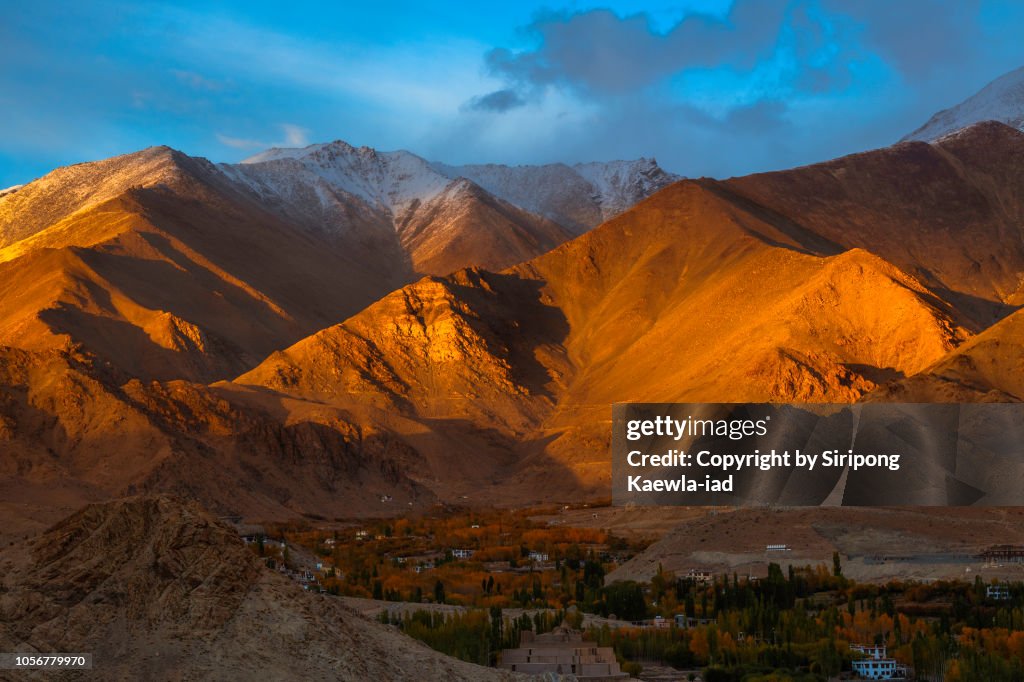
[[826, 283], [130, 284], [167, 266], [274, 329]]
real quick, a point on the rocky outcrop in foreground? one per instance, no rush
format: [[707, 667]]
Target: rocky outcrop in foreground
[[156, 589]]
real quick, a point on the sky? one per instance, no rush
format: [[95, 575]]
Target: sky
[[708, 87]]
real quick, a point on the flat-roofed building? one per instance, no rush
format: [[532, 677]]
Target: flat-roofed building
[[876, 665], [562, 651]]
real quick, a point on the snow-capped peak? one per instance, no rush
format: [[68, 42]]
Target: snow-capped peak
[[390, 181], [578, 197], [277, 153], [1001, 100], [620, 184]]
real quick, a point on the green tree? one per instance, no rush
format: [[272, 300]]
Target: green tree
[[625, 599]]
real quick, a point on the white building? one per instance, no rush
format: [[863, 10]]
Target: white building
[[876, 665], [700, 576], [462, 553], [998, 592]]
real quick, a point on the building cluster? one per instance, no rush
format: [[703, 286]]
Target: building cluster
[[308, 578], [1003, 554], [268, 543]]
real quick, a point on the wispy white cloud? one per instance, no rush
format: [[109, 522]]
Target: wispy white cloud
[[239, 142], [294, 136], [433, 79], [197, 81]]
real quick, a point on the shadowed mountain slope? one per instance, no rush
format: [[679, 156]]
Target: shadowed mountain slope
[[948, 213], [70, 434]]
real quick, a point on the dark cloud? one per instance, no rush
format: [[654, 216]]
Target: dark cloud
[[599, 52], [825, 49], [771, 84], [764, 116], [499, 101], [686, 139], [916, 37], [805, 46]]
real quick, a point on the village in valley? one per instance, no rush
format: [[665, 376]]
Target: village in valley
[[529, 590]]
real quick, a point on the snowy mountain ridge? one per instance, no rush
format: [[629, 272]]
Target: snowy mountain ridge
[[1001, 100], [578, 197], [386, 180]]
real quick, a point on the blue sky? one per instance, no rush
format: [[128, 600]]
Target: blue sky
[[708, 87]]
